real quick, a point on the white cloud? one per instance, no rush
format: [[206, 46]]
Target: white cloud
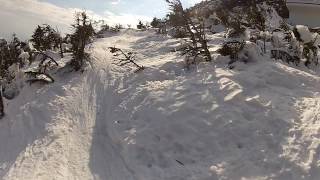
[[22, 16], [190, 2], [124, 19], [115, 2]]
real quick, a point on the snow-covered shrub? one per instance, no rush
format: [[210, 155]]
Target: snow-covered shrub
[[236, 32], [251, 52], [12, 54], [285, 57], [24, 57], [184, 44], [286, 48], [39, 77], [277, 39], [284, 26], [232, 49], [310, 52], [193, 55], [10, 91], [178, 32], [13, 82], [47, 61], [308, 40], [192, 58], [240, 15]]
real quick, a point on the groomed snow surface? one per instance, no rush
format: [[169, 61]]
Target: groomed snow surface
[[258, 121]]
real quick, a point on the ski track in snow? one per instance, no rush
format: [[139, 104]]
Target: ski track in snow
[[260, 121]]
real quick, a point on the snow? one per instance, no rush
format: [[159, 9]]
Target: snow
[[305, 34], [273, 20], [24, 55], [257, 121]]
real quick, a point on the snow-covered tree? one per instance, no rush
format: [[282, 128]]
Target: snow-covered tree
[[179, 17], [307, 40], [10, 54]]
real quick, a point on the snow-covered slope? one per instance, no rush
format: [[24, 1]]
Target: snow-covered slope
[[258, 121]]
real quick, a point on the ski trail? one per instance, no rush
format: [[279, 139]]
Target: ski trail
[[80, 143], [106, 158], [105, 153]]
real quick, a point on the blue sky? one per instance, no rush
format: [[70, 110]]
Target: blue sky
[[22, 16], [138, 7]]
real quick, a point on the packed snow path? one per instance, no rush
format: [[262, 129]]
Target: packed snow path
[[259, 121]]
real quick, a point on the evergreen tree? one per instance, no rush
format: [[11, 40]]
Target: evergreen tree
[[45, 37], [105, 27], [83, 32], [181, 18], [37, 38], [58, 40], [155, 22], [141, 25]]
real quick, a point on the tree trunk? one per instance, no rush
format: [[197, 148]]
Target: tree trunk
[[202, 40], [61, 50]]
